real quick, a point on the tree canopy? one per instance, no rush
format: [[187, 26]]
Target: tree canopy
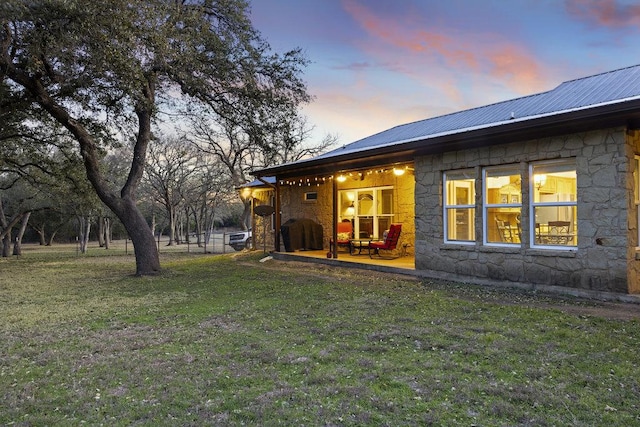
[[104, 71]]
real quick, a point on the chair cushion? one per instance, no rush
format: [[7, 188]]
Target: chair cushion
[[344, 236]]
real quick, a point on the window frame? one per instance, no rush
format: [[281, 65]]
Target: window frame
[[472, 206], [516, 169], [533, 205], [356, 201]]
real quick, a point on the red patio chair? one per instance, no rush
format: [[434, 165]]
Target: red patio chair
[[389, 243], [345, 230]]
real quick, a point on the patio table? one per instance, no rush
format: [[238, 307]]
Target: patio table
[[359, 244]]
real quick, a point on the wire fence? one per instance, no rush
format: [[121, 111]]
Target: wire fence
[[218, 243]]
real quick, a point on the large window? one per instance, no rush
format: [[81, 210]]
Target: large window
[[502, 206], [459, 206], [554, 204], [369, 209]]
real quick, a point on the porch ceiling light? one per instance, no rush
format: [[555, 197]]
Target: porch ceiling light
[[341, 178], [398, 172]]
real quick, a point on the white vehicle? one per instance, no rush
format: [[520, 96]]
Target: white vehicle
[[240, 240]]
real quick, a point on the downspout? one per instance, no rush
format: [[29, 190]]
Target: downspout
[[276, 187]]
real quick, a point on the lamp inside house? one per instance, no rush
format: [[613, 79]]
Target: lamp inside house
[[351, 209], [539, 180]]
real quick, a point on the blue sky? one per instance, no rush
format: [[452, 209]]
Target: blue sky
[[376, 64]]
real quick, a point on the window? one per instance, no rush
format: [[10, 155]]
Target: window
[[310, 197], [370, 209], [502, 206], [459, 206], [554, 204]]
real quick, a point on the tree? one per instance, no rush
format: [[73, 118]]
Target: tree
[[103, 68], [232, 140], [170, 165]]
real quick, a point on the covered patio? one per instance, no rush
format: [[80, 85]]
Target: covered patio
[[350, 205]]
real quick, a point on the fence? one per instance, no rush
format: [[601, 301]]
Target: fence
[[218, 243]]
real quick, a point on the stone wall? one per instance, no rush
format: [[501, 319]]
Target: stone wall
[[607, 235]]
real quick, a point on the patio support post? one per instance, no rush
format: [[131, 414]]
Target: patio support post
[[276, 239], [334, 221], [253, 224]]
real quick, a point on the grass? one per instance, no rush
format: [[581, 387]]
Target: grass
[[227, 340]]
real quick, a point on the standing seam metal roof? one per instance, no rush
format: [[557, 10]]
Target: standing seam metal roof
[[609, 87]]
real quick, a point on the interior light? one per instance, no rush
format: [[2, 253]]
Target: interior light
[[539, 180], [351, 209]]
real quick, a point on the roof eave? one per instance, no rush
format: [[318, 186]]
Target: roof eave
[[608, 115]]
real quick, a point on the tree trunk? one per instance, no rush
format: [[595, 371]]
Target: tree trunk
[[122, 204], [84, 226], [107, 231], [17, 246], [42, 237], [101, 231], [53, 235], [153, 224], [147, 258], [172, 225], [6, 244]]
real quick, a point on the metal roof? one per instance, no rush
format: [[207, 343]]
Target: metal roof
[[608, 88]]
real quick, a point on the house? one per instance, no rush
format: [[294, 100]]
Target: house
[[541, 190]]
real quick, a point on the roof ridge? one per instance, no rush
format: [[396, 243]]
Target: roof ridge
[[599, 74]]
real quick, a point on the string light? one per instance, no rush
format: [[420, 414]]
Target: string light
[[397, 171]]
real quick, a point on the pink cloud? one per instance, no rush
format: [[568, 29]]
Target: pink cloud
[[486, 54], [608, 13]]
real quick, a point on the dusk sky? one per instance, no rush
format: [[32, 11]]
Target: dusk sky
[[376, 64]]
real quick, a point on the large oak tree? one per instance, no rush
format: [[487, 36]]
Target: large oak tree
[[104, 70]]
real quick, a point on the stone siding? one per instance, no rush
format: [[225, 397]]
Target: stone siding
[[605, 259]]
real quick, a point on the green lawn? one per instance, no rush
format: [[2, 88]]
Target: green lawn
[[227, 340]]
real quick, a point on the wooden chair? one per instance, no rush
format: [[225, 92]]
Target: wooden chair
[[389, 243], [504, 229], [559, 232]]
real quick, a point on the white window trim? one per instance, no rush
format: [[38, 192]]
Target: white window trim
[[533, 205], [446, 207], [375, 215], [486, 206]]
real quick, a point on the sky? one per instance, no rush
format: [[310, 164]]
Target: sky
[[376, 64]]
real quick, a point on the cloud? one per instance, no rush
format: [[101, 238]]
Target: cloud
[[354, 66], [607, 13], [487, 54]]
